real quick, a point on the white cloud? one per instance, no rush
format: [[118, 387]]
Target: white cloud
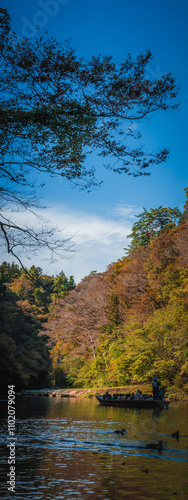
[[126, 211], [98, 240]]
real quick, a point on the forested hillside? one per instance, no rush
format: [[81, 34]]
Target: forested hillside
[[26, 298], [130, 322], [119, 327]]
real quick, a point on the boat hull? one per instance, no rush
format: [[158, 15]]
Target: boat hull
[[133, 403]]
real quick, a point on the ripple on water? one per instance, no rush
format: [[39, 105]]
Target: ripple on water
[[76, 454]]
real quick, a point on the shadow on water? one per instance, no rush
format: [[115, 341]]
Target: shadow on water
[[67, 449]]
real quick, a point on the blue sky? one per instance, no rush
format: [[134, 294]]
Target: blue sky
[[101, 220]]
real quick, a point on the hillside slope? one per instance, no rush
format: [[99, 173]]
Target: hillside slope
[[128, 323]]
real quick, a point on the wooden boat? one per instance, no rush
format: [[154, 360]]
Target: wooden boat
[[133, 403]]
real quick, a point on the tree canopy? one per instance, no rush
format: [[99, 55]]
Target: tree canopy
[[134, 324], [56, 109], [26, 299], [151, 223], [119, 327]]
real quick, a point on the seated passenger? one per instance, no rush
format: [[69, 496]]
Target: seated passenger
[[107, 395]]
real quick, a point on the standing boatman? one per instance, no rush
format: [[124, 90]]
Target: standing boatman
[[156, 388]]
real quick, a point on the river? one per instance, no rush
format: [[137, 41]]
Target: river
[[66, 448]]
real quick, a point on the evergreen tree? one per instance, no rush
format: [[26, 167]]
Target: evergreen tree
[[151, 223]]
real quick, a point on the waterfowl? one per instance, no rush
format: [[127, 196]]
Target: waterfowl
[[175, 435], [153, 446], [123, 431], [145, 470]]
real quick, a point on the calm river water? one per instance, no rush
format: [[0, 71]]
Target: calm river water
[[66, 449]]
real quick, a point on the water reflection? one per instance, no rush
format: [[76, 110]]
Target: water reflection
[[67, 449]]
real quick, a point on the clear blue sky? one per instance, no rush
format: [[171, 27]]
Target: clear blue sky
[[100, 220]]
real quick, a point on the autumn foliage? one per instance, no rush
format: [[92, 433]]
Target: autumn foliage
[[130, 323], [119, 327]]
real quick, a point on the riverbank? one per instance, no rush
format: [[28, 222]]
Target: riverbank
[[177, 395]]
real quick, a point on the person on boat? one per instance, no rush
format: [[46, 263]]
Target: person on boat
[[138, 395], [156, 389], [107, 395]]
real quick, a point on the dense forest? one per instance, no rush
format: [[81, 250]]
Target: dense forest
[[27, 297], [119, 327]]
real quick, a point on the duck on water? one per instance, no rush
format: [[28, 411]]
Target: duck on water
[[122, 431]]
